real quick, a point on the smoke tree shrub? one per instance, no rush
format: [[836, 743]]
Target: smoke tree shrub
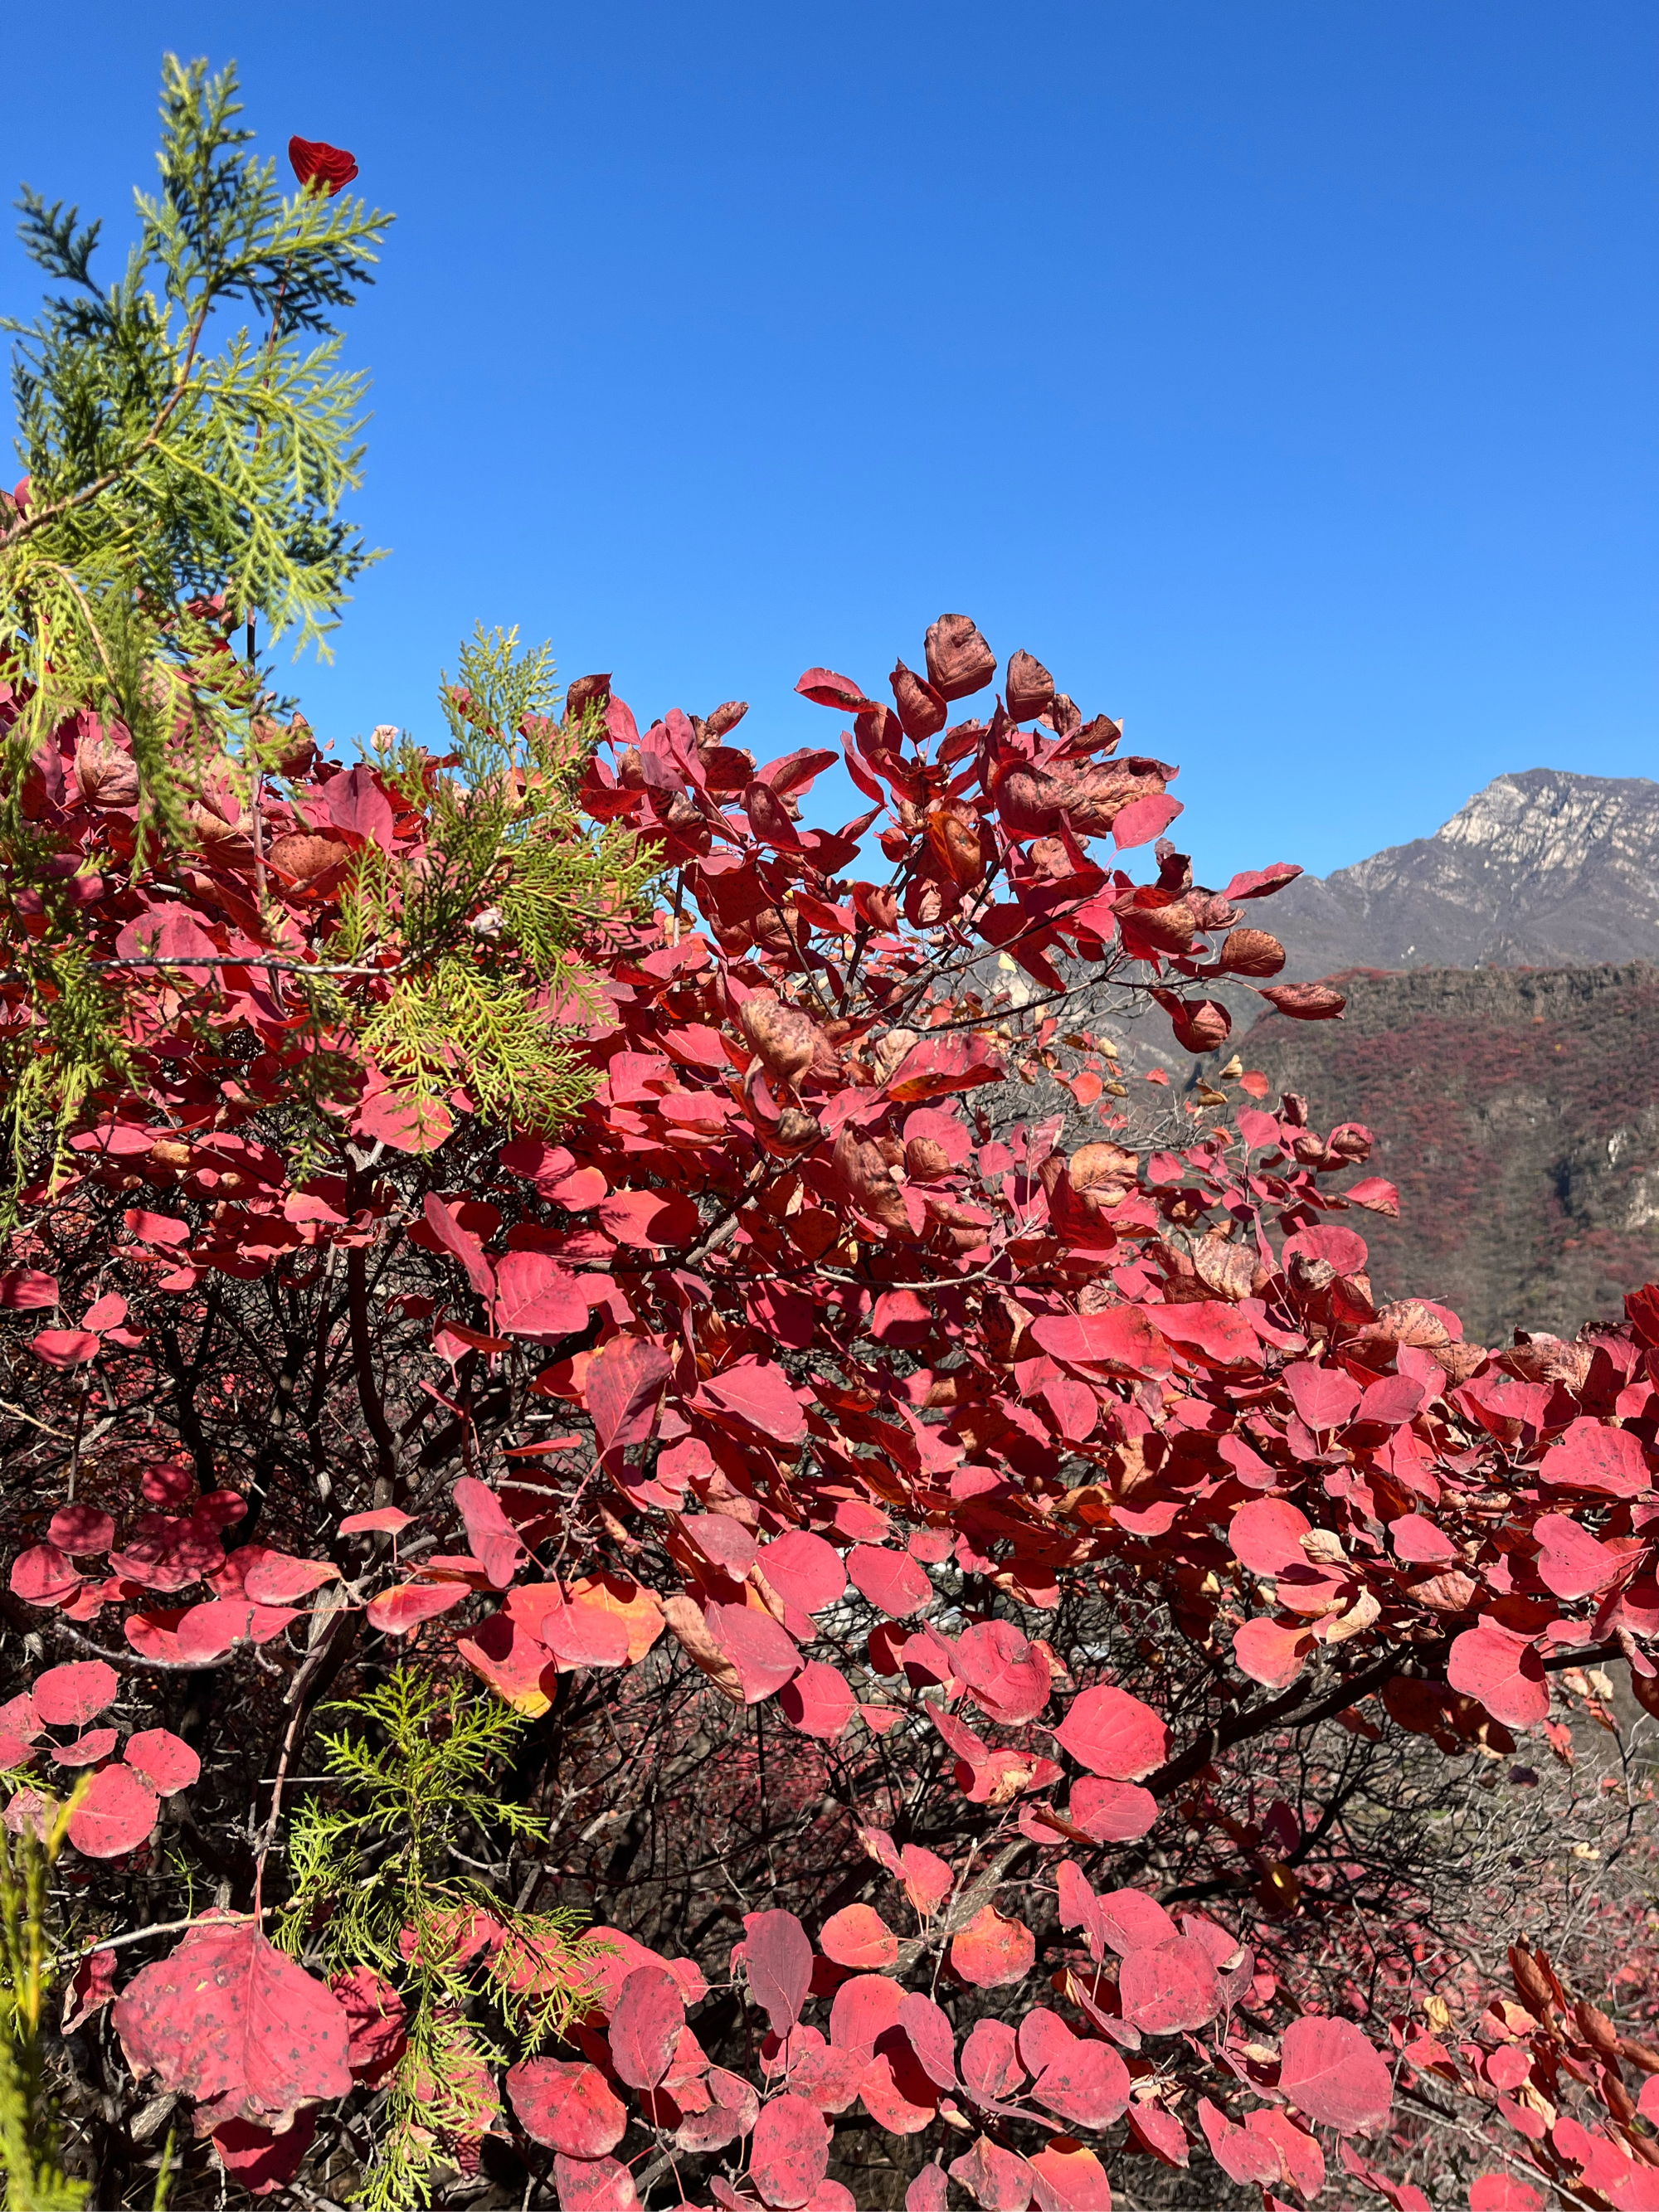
[[539, 1246]]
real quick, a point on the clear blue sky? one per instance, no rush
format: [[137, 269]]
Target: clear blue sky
[[1283, 374]]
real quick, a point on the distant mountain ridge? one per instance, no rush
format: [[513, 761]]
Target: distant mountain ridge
[[1542, 869]]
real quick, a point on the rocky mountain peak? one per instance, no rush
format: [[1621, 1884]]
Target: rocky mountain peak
[[1542, 869]]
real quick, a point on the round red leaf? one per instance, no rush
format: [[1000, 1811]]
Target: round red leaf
[[992, 1951], [894, 1582], [166, 1760], [789, 2153], [1330, 2072], [68, 1697], [115, 1815], [569, 2106], [857, 1935], [1113, 1734]]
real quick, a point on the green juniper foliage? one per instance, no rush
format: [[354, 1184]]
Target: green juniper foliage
[[379, 1864], [190, 434], [29, 2151]]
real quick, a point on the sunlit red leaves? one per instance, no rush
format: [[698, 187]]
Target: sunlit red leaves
[[232, 2022], [1502, 1669], [567, 2106], [1168, 1987], [993, 1950], [1329, 2071], [780, 1960], [646, 2022], [1114, 1733], [789, 2153]]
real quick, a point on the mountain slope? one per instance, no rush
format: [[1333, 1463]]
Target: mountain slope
[[1541, 869], [1519, 1115]]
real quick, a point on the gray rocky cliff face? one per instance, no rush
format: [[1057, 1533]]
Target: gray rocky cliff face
[[1541, 869]]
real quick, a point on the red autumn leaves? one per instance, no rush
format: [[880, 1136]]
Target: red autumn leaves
[[830, 1382]]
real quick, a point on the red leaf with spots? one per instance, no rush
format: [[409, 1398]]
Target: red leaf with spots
[[231, 2021]]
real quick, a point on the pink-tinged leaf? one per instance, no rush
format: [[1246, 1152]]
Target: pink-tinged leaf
[[1007, 1677], [1169, 1987], [88, 1749], [991, 2069], [104, 1313], [789, 2153], [928, 1880], [862, 2010], [1419, 1543], [818, 1701], [780, 1958], [1604, 1461], [1112, 1812], [210, 1632], [535, 1297], [893, 1582], [69, 1697], [445, 1225], [928, 2191], [1241, 2157], [825, 689], [80, 1530], [1266, 1535], [492, 1538], [1143, 819], [116, 1815], [803, 1570], [1121, 1337], [932, 2037], [1158, 2132], [1329, 2071], [1502, 1669], [400, 1611], [388, 1520], [26, 1289], [410, 1122], [898, 2092], [66, 1347], [1272, 1651], [1299, 2154], [261, 2160], [166, 1760], [757, 1392], [1133, 1920], [1113, 1734], [992, 1952], [645, 2025], [1571, 1562], [997, 2180], [1392, 1399], [830, 2079], [357, 802], [594, 2184], [43, 1576], [858, 1936], [567, 2106], [1507, 2192], [1067, 2177], [622, 1388], [275, 1578], [1325, 1397], [16, 1751], [763, 1654]]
